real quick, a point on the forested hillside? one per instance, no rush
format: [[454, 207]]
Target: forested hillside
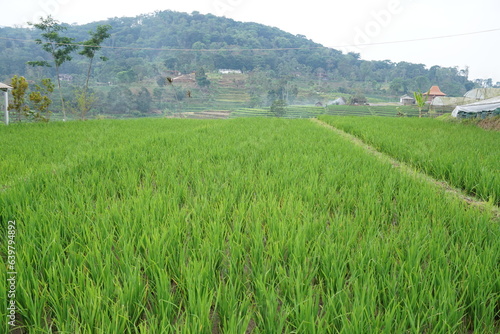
[[147, 46]]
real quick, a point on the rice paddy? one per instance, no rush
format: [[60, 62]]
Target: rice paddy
[[234, 226], [465, 156]]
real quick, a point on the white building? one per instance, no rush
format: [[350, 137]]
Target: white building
[[229, 71]]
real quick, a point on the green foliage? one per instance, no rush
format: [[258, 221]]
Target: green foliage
[[85, 101], [41, 101], [281, 89], [172, 30], [18, 104], [158, 94], [59, 47], [397, 86], [179, 93], [128, 76], [201, 78], [279, 108], [143, 100], [423, 83], [91, 46], [420, 100], [358, 99], [41, 63], [119, 100], [161, 81]]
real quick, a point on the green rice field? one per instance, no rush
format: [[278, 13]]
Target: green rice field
[[466, 156], [246, 225]]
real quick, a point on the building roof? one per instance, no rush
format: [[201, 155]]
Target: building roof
[[483, 93], [484, 105], [435, 91], [186, 78], [406, 97], [451, 101], [4, 86]]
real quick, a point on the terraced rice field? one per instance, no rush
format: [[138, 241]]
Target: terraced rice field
[[294, 111], [233, 226]]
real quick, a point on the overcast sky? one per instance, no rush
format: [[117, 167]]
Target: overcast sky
[[333, 24]]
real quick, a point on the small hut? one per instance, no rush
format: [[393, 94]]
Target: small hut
[[433, 93], [5, 88], [406, 100]]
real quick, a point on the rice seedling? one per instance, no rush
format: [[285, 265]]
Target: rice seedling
[[233, 226], [464, 155]]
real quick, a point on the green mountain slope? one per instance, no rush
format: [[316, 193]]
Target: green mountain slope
[[148, 46]]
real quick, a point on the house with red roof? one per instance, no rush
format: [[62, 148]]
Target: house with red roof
[[433, 93]]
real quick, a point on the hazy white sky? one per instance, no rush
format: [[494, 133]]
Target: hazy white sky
[[333, 24]]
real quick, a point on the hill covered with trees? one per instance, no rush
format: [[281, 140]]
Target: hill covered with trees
[[148, 48], [180, 41]]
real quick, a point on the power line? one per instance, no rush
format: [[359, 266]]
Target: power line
[[422, 39], [263, 49]]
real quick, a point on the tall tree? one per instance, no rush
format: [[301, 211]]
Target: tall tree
[[119, 100], [278, 108], [86, 100], [18, 105], [143, 100], [93, 45], [201, 78], [397, 86], [59, 47]]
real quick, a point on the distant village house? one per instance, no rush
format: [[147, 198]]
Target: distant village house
[[229, 71], [433, 93], [406, 100], [65, 77]]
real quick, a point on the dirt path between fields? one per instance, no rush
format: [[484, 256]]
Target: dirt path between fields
[[456, 192]]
